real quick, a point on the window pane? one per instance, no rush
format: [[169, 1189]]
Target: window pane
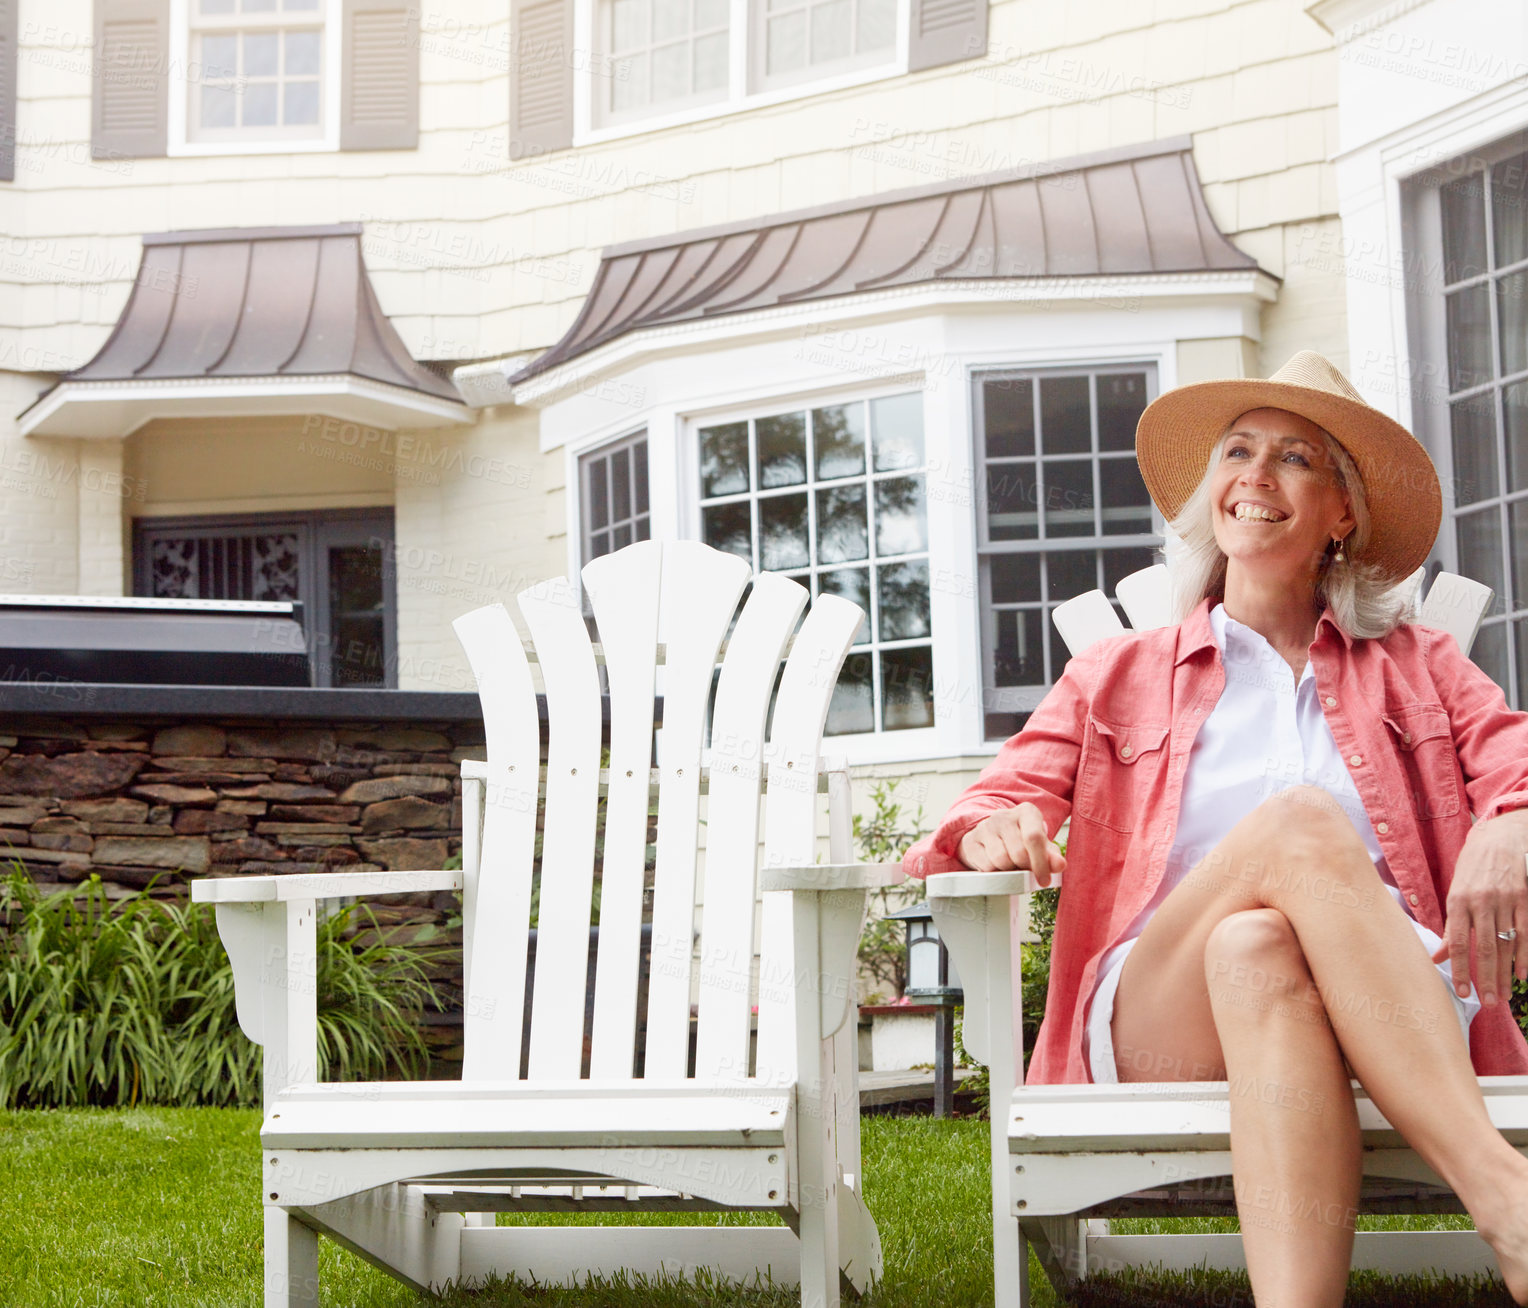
[[1015, 578], [671, 72], [1018, 659], [904, 600], [852, 584], [896, 431], [783, 532], [1509, 196], [830, 30], [1515, 409], [838, 436], [1121, 401], [259, 54], [1008, 407], [620, 484], [357, 652], [786, 42], [620, 538], [639, 474], [877, 26], [1512, 321], [220, 106], [1070, 574], [212, 7], [1069, 497], [841, 531], [1127, 504], [1011, 499], [710, 61], [710, 13], [1464, 228], [901, 526], [724, 459], [1065, 427], [1469, 337], [642, 528], [259, 104], [599, 492], [301, 54], [1517, 533], [300, 103], [671, 18], [1119, 564], [851, 708], [220, 56], [258, 6], [599, 544], [1489, 652], [1479, 537], [729, 527], [1473, 424], [782, 450], [907, 688], [628, 86], [627, 24]]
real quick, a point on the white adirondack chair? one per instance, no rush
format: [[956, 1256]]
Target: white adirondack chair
[[410, 1174], [1067, 1158]]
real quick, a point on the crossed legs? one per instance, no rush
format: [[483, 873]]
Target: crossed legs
[[1276, 964]]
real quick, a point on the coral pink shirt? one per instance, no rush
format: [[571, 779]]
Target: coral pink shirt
[[1427, 737]]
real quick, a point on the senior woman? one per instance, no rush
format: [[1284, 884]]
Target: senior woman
[[1272, 877]]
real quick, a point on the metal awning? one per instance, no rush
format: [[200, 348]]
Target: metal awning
[[1134, 211], [237, 321]]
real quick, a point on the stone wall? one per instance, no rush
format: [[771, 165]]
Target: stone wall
[[141, 801]]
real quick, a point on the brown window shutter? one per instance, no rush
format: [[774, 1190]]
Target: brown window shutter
[[8, 90], [131, 100], [379, 101], [541, 77], [947, 31]]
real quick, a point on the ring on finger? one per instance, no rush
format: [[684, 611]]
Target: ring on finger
[[1509, 935]]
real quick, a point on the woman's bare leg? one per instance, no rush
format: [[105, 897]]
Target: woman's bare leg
[[1299, 854], [1295, 1144]]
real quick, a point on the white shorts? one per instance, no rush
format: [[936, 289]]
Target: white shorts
[[1098, 1040]]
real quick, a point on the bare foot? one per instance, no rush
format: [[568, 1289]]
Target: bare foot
[[1509, 1242]]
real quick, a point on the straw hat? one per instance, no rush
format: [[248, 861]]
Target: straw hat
[[1177, 431]]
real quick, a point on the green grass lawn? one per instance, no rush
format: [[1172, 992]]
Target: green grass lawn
[[150, 1208]]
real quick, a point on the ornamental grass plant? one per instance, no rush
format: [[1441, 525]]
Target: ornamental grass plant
[[120, 1001]]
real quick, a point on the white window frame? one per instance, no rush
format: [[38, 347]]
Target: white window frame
[[741, 93], [183, 84]]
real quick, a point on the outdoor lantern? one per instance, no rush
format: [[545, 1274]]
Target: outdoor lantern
[[932, 979]]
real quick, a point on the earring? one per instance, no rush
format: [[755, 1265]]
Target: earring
[[1338, 556]]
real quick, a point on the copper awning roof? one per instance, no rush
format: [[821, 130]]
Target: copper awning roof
[[286, 311], [1123, 212]]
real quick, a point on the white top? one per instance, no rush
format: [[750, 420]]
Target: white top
[[1267, 732]]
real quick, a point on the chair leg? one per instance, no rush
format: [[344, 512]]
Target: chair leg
[[291, 1262], [1010, 1263]]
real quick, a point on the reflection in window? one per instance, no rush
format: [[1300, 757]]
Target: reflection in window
[[1064, 511], [836, 497], [663, 54]]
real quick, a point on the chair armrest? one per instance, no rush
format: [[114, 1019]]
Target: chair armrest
[[318, 885], [966, 885], [832, 876]]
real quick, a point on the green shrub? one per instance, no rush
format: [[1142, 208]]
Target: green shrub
[[881, 839], [115, 1003]]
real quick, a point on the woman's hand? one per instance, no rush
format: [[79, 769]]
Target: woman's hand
[[1013, 840], [1489, 893]]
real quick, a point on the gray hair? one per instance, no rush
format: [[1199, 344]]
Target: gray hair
[[1362, 598]]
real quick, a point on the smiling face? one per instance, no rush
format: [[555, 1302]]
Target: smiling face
[[1275, 496]]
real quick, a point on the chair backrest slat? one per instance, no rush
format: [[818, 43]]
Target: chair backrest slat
[[790, 832], [732, 824], [496, 903], [701, 587], [624, 590], [553, 613]]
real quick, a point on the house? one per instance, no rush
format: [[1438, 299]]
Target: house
[[396, 308]]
